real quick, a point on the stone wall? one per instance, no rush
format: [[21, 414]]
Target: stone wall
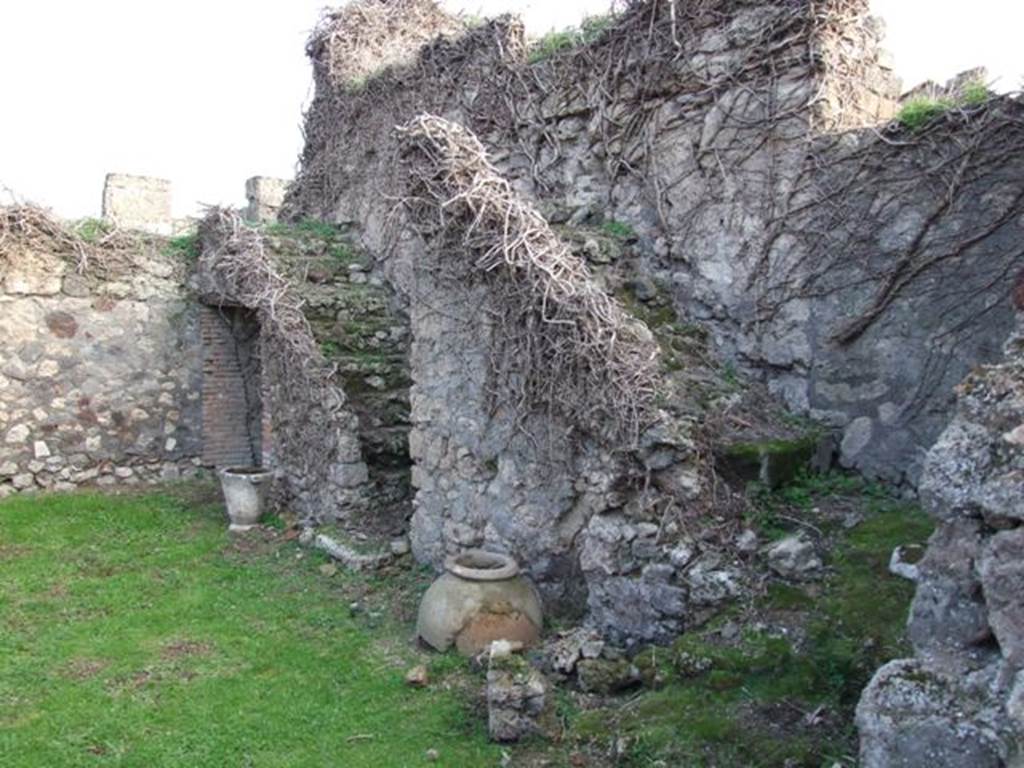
[[960, 700], [264, 195], [100, 371], [749, 164], [331, 363], [738, 142], [589, 514], [778, 215], [361, 331]]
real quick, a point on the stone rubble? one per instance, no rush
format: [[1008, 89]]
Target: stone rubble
[[348, 557], [959, 701], [794, 557], [515, 697]]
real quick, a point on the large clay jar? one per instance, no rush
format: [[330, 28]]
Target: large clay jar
[[478, 599], [245, 495]]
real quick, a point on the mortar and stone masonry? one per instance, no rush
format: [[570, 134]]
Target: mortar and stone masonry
[[724, 182], [100, 360], [857, 267], [766, 202]]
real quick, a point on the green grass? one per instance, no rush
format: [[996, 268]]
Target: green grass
[[559, 41], [133, 633], [332, 237], [316, 228], [184, 247], [919, 112], [91, 230], [974, 94], [726, 705], [807, 490], [618, 229]]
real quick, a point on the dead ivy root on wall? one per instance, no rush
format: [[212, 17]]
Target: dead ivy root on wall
[[314, 433], [561, 345]]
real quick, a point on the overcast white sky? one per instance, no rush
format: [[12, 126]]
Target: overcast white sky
[[209, 92]]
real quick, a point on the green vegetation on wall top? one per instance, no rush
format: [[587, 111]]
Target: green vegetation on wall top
[[558, 41], [618, 229], [184, 247], [920, 111], [91, 230]]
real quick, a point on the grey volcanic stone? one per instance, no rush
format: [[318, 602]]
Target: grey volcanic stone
[[959, 703], [626, 609], [913, 717], [712, 585], [1002, 581], [515, 699], [607, 675], [948, 609], [794, 557]]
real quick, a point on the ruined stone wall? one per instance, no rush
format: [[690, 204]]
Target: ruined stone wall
[[777, 215], [332, 367], [738, 143], [360, 331], [591, 512], [140, 203], [960, 700], [747, 160], [264, 195], [99, 368], [876, 304]]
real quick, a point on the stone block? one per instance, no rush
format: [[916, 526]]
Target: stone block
[[138, 202], [32, 273], [515, 699], [23, 481], [1002, 581], [17, 434], [914, 717], [794, 557], [265, 195], [774, 463]]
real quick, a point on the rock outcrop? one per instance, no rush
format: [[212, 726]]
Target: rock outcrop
[[960, 701]]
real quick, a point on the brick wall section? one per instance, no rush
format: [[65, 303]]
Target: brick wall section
[[226, 413]]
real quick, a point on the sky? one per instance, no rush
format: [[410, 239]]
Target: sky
[[210, 92]]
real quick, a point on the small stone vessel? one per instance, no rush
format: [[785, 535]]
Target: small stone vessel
[[478, 599], [245, 495]]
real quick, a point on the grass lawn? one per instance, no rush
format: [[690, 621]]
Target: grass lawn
[[135, 632], [782, 696]]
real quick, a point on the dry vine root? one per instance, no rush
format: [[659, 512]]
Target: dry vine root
[[27, 225], [561, 344], [359, 39], [234, 258], [111, 254]]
